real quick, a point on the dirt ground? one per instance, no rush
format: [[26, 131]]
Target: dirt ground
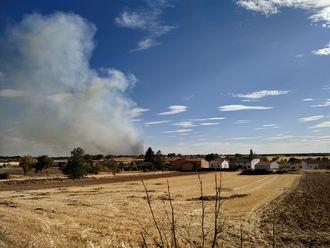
[[114, 214], [300, 218]]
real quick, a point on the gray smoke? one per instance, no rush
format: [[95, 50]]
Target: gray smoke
[[51, 100]]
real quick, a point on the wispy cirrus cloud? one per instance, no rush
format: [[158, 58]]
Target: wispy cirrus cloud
[[242, 122], [311, 118], [209, 119], [175, 109], [246, 138], [137, 111], [326, 103], [148, 20], [308, 99], [183, 130], [324, 124], [261, 94], [319, 9], [184, 124], [267, 126], [151, 123], [239, 107], [319, 12], [323, 51], [209, 123]]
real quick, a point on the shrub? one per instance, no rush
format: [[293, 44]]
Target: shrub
[[4, 175]]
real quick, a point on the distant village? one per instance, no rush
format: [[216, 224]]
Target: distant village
[[250, 163]]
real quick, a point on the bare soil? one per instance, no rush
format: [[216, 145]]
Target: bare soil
[[300, 218]]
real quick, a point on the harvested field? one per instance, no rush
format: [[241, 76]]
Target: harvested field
[[301, 218], [113, 214]]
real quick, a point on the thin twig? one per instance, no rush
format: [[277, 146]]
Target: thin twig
[[173, 224], [152, 214], [203, 210]]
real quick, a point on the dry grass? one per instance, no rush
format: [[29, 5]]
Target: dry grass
[[111, 215]]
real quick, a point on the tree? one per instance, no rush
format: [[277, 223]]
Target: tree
[[26, 163], [159, 161], [211, 156], [149, 156], [43, 163], [77, 165], [252, 154]]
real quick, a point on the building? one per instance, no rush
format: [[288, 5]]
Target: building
[[189, 164], [267, 165], [309, 166], [250, 165], [219, 164]]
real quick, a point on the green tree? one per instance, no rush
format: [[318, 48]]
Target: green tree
[[159, 161], [78, 163], [252, 155], [43, 163], [211, 156], [26, 163], [149, 156]]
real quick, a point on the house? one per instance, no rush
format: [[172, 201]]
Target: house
[[219, 164], [251, 165], [189, 164], [267, 165], [323, 164], [308, 166]]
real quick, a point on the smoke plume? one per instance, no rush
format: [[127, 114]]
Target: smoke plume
[[51, 100]]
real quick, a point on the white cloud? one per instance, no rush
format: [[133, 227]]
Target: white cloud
[[209, 119], [184, 130], [241, 107], [319, 9], [325, 104], [270, 125], [11, 93], [133, 20], [175, 109], [209, 123], [324, 124], [242, 121], [246, 138], [267, 126], [136, 112], [184, 124], [262, 94], [150, 123], [69, 104], [323, 51], [308, 99], [147, 19], [281, 137], [311, 118]]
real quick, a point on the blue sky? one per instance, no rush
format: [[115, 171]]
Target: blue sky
[[192, 76]]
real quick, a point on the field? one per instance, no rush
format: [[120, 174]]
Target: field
[[301, 217], [112, 215]]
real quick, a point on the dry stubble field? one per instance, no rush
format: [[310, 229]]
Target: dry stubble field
[[113, 215]]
